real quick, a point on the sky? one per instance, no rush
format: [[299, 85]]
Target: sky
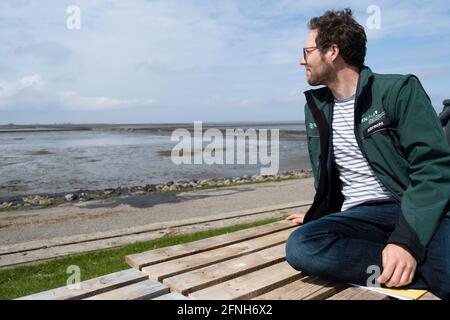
[[151, 61]]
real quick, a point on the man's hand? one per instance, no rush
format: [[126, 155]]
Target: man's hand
[[399, 266], [296, 218]]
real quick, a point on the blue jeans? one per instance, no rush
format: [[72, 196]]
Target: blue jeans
[[341, 247]]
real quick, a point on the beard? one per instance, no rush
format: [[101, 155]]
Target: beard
[[321, 75]]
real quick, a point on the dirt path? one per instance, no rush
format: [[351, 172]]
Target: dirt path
[[107, 215]]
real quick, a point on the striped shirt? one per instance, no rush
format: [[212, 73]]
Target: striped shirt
[[359, 182]]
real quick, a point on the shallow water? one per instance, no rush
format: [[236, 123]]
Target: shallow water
[[53, 162]]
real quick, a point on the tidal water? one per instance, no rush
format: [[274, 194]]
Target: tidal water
[[63, 161]]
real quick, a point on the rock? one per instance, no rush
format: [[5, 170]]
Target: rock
[[121, 191], [85, 196], [6, 205], [45, 202], [70, 197], [108, 191], [34, 200]]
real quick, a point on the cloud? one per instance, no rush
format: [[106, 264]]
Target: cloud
[[414, 18], [49, 52], [196, 58], [74, 101], [28, 83], [433, 71], [32, 91], [27, 93]]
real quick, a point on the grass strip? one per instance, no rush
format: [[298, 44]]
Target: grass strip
[[25, 280]]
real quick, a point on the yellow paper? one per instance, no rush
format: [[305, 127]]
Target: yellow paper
[[403, 294], [406, 293]]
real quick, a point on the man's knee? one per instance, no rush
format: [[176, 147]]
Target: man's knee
[[299, 251]]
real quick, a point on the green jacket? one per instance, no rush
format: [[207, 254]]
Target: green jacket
[[400, 135]]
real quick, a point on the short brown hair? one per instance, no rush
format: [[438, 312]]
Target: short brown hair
[[340, 28]]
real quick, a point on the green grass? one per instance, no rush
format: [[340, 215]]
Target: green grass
[[25, 280], [52, 203], [12, 208]]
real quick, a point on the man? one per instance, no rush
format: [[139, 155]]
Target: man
[[381, 166]]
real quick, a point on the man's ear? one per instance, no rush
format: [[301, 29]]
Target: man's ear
[[334, 49]]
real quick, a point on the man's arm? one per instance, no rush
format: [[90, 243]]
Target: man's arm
[[427, 198]]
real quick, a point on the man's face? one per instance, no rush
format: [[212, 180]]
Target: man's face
[[318, 71]]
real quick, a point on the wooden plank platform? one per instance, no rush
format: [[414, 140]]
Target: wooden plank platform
[[91, 287], [247, 264]]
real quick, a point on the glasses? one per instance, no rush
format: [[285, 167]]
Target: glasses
[[307, 51]]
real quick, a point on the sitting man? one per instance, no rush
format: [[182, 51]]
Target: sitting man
[[381, 167]]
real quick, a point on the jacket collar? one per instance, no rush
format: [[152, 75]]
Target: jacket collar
[[365, 78], [324, 97]]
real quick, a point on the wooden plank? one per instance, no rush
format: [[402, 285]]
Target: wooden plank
[[144, 290], [307, 288], [172, 296], [91, 287], [170, 268], [223, 271], [151, 257], [429, 296], [250, 285], [326, 291], [354, 293]]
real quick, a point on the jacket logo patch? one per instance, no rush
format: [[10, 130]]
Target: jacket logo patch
[[375, 127], [375, 116]]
